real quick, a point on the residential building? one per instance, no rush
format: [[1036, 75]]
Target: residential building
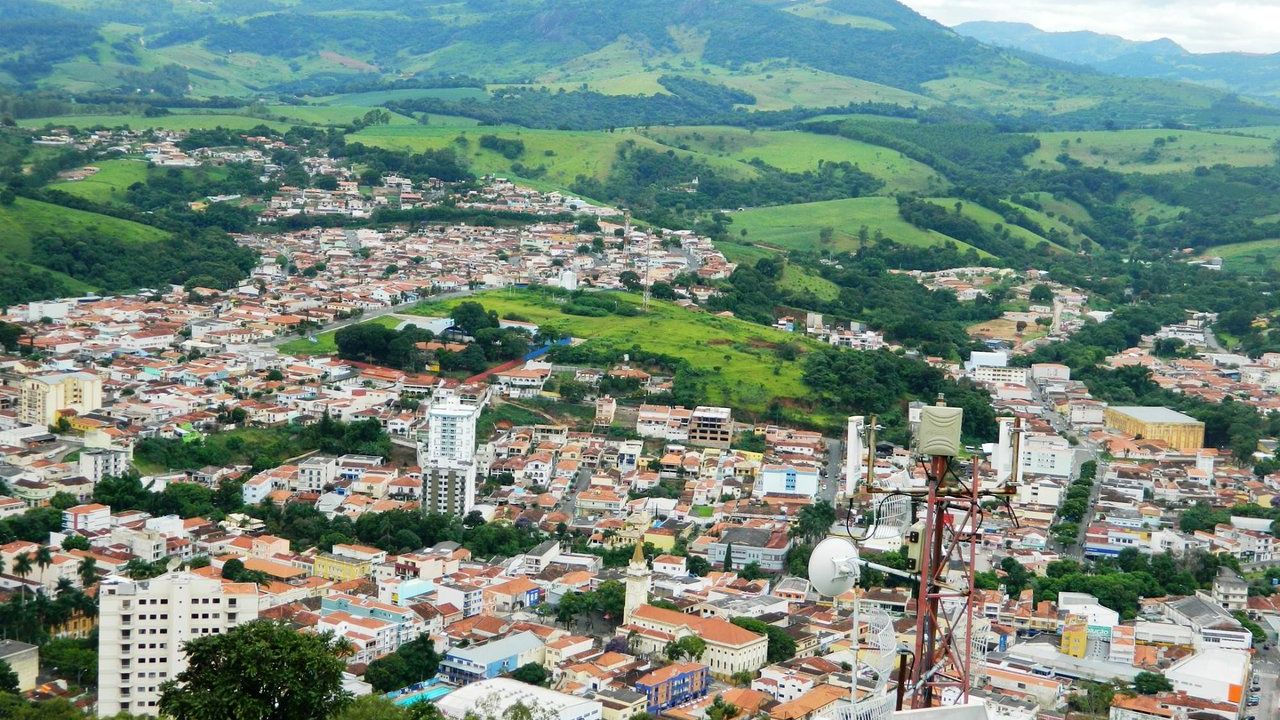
[[93, 517], [449, 490], [144, 625], [340, 567], [673, 685], [97, 463], [44, 396], [766, 546], [711, 426], [786, 479], [451, 434]]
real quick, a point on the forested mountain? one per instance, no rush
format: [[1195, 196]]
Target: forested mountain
[[783, 53], [1244, 73]]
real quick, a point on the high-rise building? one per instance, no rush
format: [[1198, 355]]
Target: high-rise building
[[44, 396], [143, 625], [448, 458], [451, 434]]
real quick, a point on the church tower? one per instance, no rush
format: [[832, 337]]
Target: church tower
[[637, 584]]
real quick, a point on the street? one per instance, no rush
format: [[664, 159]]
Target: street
[[1266, 670]]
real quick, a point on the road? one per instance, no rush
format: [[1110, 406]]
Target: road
[[1266, 671], [1087, 450], [369, 315], [835, 470]]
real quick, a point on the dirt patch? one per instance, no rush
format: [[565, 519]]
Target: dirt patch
[[720, 341], [764, 344], [347, 61]]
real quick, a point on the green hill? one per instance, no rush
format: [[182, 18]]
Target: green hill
[[800, 227], [812, 53], [21, 222]]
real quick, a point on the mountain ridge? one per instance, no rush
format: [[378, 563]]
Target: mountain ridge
[[1253, 74]]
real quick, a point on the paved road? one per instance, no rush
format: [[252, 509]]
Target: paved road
[[835, 470], [1085, 452], [1266, 673], [369, 315]]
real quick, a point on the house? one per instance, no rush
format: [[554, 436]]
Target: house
[[494, 658]]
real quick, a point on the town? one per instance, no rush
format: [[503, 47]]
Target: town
[[358, 444]]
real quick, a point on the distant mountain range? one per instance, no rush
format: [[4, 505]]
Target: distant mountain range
[[1245, 73], [783, 53]]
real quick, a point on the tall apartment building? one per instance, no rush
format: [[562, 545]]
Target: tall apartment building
[[45, 395], [451, 434], [448, 458], [143, 625]]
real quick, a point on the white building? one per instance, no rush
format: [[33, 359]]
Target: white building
[[853, 453], [97, 463], [143, 624], [451, 434], [786, 480], [1214, 674], [1046, 455], [493, 698], [92, 517]]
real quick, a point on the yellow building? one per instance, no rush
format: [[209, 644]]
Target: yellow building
[[1182, 432], [339, 568], [1075, 636], [43, 396]]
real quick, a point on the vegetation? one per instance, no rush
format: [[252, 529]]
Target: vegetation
[[260, 669], [412, 662]]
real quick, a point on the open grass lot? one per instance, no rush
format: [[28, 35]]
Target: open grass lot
[[26, 219], [1253, 257], [325, 344], [785, 88], [1052, 222], [739, 253], [1145, 207], [1152, 151], [799, 151], [184, 121], [1063, 207], [736, 355], [797, 227], [109, 183], [799, 281], [565, 154]]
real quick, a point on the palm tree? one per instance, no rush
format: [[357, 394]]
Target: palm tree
[[44, 558], [22, 567], [88, 571]]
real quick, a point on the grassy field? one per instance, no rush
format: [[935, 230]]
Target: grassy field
[[818, 10], [739, 253], [26, 219], [1145, 207], [799, 281], [109, 183], [376, 98], [1151, 151], [1248, 257], [1052, 222], [565, 154], [799, 151], [184, 121], [736, 355], [798, 227], [988, 219]]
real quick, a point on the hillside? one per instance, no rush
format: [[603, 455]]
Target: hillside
[[1245, 73], [773, 55]]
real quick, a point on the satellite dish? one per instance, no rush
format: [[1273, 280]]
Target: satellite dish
[[833, 567]]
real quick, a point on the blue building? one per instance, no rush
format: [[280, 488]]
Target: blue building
[[674, 685], [484, 662]]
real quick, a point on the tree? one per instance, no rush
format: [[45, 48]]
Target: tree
[[372, 707], [1041, 294], [261, 669], [814, 521], [88, 571], [630, 279], [470, 317], [8, 678], [698, 565], [531, 673], [689, 646], [75, 542], [413, 662], [721, 710], [751, 571], [1149, 683], [781, 645]]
